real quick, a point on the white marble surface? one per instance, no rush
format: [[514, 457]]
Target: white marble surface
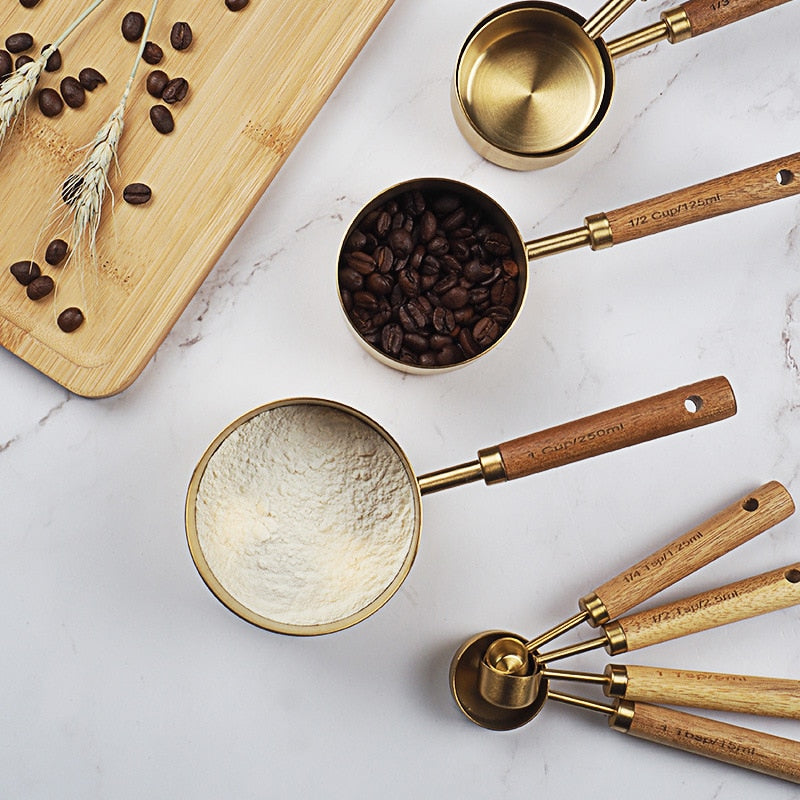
[[123, 677]]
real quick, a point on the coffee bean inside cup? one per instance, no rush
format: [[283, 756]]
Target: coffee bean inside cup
[[428, 278]]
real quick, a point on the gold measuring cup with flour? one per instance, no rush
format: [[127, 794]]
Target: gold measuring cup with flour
[[303, 516], [407, 311], [534, 81]]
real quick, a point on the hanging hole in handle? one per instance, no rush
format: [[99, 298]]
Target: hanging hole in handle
[[693, 403], [751, 504], [792, 575], [784, 177]]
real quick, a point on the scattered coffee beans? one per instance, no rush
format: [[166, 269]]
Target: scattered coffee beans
[[40, 287], [70, 319], [50, 102], [54, 60], [162, 120], [136, 194], [6, 63], [73, 93], [180, 37], [25, 271], [90, 78], [19, 42], [428, 279], [22, 61], [175, 90], [56, 252], [236, 5], [156, 81], [133, 24], [152, 53]]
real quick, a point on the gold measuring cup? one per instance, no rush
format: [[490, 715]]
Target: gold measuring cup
[[746, 188], [532, 84], [670, 412], [496, 679]]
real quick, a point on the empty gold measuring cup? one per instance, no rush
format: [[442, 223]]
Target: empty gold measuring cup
[[533, 81]]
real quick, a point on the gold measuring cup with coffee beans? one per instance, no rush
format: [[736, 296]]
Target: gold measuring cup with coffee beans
[[533, 81], [432, 273], [303, 516]]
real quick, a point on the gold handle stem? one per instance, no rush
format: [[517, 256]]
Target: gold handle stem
[[452, 476], [573, 650], [581, 702], [557, 630], [604, 16]]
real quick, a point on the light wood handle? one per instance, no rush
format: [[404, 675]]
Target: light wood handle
[[742, 747], [747, 694], [708, 15], [677, 410], [744, 189], [743, 599], [738, 523]]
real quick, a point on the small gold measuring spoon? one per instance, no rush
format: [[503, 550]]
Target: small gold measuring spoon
[[746, 694], [496, 679], [531, 84]]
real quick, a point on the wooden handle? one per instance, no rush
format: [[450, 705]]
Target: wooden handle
[[743, 747], [744, 189], [747, 694], [738, 523], [677, 410], [708, 15], [743, 599]]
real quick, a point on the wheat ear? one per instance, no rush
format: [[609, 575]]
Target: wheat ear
[[20, 85]]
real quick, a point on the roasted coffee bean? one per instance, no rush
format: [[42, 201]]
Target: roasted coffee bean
[[6, 63], [162, 120], [71, 188], [485, 331], [137, 194], [25, 271], [53, 63], [180, 37], [28, 3], [50, 102], [152, 53], [175, 90], [430, 290], [73, 93], [19, 43], [133, 25], [90, 78], [22, 61], [40, 287], [236, 5], [70, 319], [56, 252], [156, 81]]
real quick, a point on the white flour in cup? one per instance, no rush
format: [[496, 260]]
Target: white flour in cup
[[305, 514]]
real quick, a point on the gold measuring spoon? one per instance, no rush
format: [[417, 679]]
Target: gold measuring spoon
[[747, 694], [746, 188], [252, 529], [531, 85], [495, 675]]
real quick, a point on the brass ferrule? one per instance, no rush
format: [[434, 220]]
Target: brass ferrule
[[599, 231], [616, 676], [678, 25], [617, 643], [622, 717], [492, 467], [595, 609]]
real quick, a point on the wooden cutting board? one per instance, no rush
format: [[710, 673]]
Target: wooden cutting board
[[257, 78]]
